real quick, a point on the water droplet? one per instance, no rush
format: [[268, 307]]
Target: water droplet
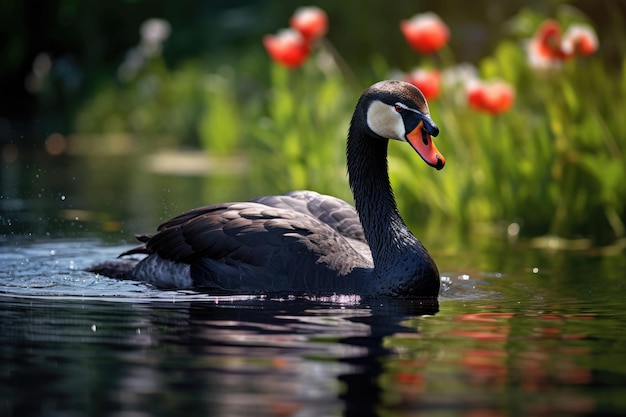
[[93, 328], [62, 198], [53, 252], [535, 270]]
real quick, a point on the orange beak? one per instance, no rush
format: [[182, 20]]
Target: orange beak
[[425, 147]]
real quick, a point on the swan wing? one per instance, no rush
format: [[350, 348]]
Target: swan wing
[[334, 212], [255, 247]]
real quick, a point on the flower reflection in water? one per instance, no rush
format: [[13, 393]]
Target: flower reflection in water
[[537, 353]]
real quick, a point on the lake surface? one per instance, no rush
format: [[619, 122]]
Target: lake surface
[[518, 332]]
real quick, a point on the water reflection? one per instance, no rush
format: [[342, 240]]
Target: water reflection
[[537, 352], [254, 357], [517, 343], [506, 340], [493, 360]]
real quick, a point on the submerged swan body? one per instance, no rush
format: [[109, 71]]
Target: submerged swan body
[[304, 242]]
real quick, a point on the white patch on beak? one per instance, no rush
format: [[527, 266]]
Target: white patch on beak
[[385, 121]]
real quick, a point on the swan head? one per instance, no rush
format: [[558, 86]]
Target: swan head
[[398, 110]]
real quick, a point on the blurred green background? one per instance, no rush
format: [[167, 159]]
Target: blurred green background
[[94, 137]]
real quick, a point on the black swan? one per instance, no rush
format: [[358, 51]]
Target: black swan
[[304, 242]]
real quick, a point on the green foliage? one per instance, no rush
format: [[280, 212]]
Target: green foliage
[[300, 143], [156, 104], [554, 164], [219, 123]]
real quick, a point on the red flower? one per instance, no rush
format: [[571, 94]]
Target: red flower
[[428, 81], [311, 22], [288, 47], [494, 98], [548, 48], [579, 40], [425, 32], [548, 40]]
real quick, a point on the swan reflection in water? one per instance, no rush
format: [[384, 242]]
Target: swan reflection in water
[[214, 357], [265, 357]]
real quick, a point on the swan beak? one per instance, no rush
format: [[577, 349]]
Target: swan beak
[[420, 140]]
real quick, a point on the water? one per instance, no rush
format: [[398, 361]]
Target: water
[[516, 332]]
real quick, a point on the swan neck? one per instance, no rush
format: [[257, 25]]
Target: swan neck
[[385, 231]]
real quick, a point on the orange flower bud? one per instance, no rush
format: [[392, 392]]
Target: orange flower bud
[[311, 22], [580, 40], [428, 81], [494, 98], [288, 47], [425, 32]]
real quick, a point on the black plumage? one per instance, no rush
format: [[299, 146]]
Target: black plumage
[[304, 242]]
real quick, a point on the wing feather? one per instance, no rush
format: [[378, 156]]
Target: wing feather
[[333, 211], [254, 246]]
